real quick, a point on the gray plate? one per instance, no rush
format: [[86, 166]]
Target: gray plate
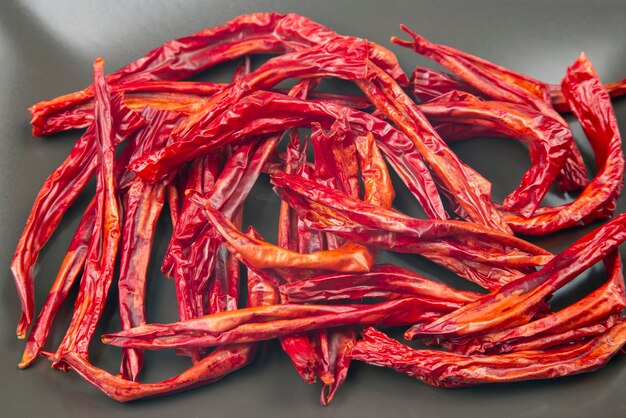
[[46, 49]]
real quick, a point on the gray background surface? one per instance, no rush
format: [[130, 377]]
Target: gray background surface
[[46, 49]]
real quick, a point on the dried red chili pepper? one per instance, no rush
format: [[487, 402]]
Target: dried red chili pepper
[[103, 246], [142, 206], [383, 281], [428, 84], [439, 368], [517, 302], [58, 192], [72, 265], [592, 106], [548, 141], [500, 84], [184, 57], [490, 251], [257, 324]]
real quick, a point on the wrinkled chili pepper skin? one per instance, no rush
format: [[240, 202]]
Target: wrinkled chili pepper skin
[[258, 324], [591, 105], [501, 84], [143, 203], [383, 281], [57, 194], [98, 273], [334, 212], [516, 303], [548, 142], [448, 370]]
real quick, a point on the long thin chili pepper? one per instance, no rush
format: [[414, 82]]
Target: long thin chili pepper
[[439, 368], [103, 246], [184, 57], [143, 202], [249, 325], [383, 281], [57, 194], [490, 251], [517, 302], [428, 84]]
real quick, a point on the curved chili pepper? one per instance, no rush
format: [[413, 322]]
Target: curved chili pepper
[[591, 105], [547, 139], [439, 368], [184, 57], [500, 84]]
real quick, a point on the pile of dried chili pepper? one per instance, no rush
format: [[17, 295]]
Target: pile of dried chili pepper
[[196, 149]]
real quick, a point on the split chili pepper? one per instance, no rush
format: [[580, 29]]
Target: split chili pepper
[[443, 369]]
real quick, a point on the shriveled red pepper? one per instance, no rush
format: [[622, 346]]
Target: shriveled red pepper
[[383, 281], [491, 260], [98, 274], [142, 206], [58, 192], [500, 84], [517, 302], [591, 104], [257, 324], [443, 369], [548, 141]]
